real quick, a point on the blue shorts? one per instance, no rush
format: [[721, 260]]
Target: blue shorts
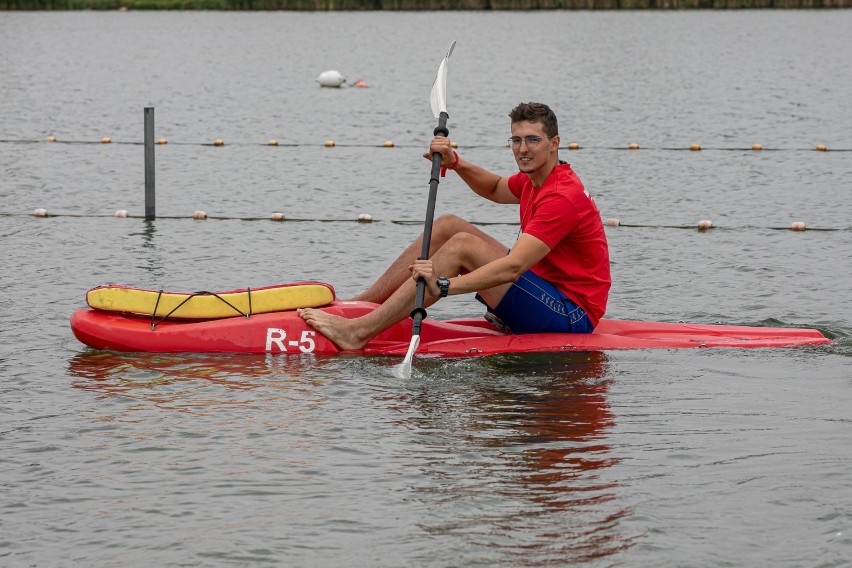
[[534, 305]]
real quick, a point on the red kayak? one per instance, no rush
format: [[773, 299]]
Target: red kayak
[[286, 332]]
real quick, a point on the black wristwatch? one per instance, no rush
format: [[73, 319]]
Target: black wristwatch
[[444, 285]]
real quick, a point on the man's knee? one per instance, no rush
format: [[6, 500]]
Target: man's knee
[[448, 225], [451, 224], [462, 242]]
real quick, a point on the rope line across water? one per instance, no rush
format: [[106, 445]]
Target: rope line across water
[[390, 144], [702, 225]]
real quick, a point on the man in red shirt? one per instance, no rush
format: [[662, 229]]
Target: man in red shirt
[[556, 276]]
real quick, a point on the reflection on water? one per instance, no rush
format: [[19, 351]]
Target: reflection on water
[[193, 382], [154, 262], [107, 365], [531, 430]]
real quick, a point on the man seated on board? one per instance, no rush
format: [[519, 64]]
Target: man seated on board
[[556, 276]]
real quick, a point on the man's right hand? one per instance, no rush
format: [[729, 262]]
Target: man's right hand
[[424, 269], [442, 145]]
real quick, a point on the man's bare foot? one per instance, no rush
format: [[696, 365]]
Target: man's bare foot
[[341, 331]]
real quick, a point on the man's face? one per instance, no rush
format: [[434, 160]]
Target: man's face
[[531, 146]]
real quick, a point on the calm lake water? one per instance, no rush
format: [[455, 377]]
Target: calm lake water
[[642, 458]]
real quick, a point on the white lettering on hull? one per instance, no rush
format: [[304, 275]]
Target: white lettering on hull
[[278, 337]]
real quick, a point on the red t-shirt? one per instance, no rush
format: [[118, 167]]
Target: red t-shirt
[[563, 215]]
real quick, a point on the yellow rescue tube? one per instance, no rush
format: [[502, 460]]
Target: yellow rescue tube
[[210, 305]]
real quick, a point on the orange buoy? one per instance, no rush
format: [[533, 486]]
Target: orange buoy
[[821, 148], [797, 226], [454, 144], [218, 142], [272, 143], [361, 84], [277, 217], [757, 147], [106, 140], [51, 138], [388, 144], [162, 141], [329, 143], [695, 148], [573, 146], [634, 146]]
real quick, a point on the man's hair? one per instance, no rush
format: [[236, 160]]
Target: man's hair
[[536, 112]]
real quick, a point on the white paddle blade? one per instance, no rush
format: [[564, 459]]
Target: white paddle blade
[[403, 370], [438, 98]]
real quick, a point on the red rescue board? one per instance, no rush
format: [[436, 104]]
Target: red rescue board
[[286, 332]]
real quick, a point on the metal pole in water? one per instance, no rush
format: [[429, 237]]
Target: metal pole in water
[[150, 212]]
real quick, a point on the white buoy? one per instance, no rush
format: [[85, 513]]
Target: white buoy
[[331, 79]]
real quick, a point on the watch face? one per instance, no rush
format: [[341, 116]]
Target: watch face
[[444, 285]]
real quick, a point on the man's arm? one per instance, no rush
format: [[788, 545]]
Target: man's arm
[[484, 183], [527, 251]]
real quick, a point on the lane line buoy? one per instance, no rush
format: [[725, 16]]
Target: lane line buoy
[[40, 212], [121, 213], [573, 146], [218, 142], [705, 224], [106, 140], [199, 215], [277, 217], [612, 222], [365, 218], [634, 146], [272, 143], [329, 143], [797, 226]]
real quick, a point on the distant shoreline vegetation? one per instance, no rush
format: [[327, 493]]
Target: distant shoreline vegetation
[[414, 5]]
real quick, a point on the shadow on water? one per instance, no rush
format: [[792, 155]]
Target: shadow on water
[[531, 430]]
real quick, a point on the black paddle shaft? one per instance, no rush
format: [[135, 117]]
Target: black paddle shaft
[[419, 312]]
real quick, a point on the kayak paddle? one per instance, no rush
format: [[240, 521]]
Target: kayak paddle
[[438, 99]]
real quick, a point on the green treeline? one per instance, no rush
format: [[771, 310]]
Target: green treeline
[[334, 5]]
